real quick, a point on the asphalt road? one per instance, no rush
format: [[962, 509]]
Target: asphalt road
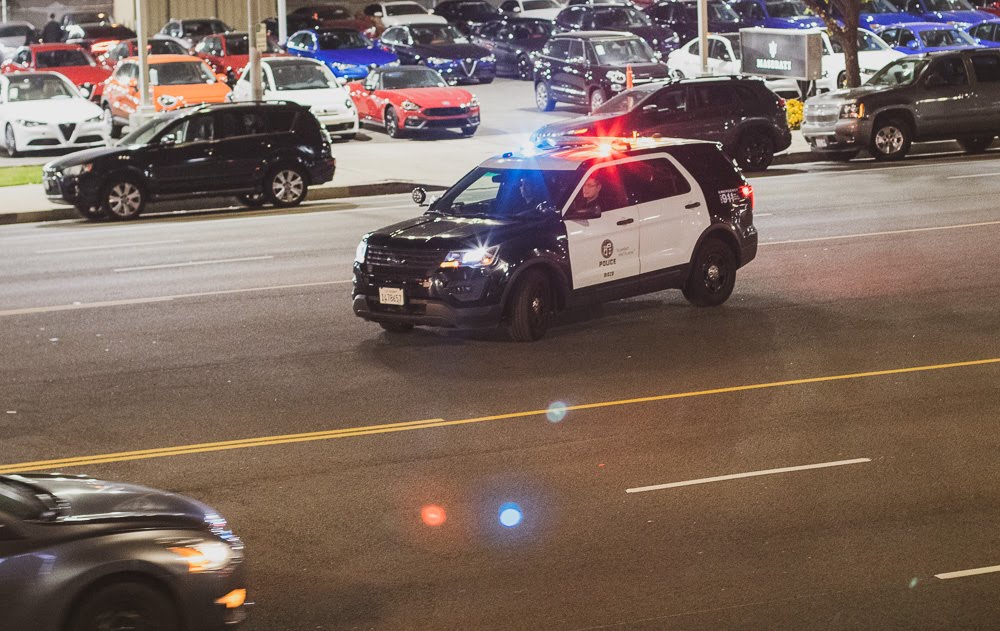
[[873, 291]]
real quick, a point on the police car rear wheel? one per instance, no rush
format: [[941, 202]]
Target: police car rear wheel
[[713, 274], [530, 308]]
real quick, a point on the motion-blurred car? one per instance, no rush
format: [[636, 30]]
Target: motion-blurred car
[[43, 111], [740, 113], [307, 82], [189, 32], [86, 17], [925, 37], [386, 14], [681, 16], [588, 68], [260, 152], [176, 81], [130, 48], [513, 41], [226, 53], [776, 14], [986, 33], [346, 52], [412, 98], [467, 14], [617, 17], [537, 9], [877, 14], [443, 48], [13, 35], [84, 554], [70, 60], [97, 38], [314, 16], [954, 12]]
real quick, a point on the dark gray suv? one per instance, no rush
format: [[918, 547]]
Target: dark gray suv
[[79, 554], [934, 96]]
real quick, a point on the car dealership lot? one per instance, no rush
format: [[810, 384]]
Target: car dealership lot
[[239, 327]]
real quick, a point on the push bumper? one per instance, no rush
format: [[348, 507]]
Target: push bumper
[[428, 313], [848, 134]]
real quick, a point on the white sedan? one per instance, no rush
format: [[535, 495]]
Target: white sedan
[[44, 110], [724, 59], [306, 82], [538, 9]]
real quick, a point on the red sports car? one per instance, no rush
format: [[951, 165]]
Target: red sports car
[[411, 98], [227, 53], [69, 60]]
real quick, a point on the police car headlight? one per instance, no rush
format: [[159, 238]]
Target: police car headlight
[[410, 106], [478, 257], [359, 254], [615, 76]]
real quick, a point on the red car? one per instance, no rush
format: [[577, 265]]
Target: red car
[[69, 60], [227, 53], [412, 98], [97, 38]]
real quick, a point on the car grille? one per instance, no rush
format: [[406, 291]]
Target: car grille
[[85, 139], [340, 127], [445, 111], [821, 113], [67, 129], [402, 262]]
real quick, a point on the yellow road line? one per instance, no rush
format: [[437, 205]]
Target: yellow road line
[[387, 428]]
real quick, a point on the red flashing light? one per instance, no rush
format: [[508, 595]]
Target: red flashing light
[[782, 102], [746, 192], [433, 515]]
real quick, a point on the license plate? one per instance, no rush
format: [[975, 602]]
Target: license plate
[[390, 296]]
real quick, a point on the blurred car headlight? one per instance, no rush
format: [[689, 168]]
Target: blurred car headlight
[[852, 110], [95, 119], [478, 257], [166, 100], [340, 66], [410, 106], [474, 102], [349, 104], [204, 556], [78, 169], [437, 60], [361, 251], [489, 59], [615, 76], [28, 123]]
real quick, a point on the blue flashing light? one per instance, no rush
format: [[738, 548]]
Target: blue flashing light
[[510, 515]]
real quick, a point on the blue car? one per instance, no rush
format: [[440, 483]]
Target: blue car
[[926, 37], [776, 14], [878, 14], [986, 33], [954, 12], [347, 53]]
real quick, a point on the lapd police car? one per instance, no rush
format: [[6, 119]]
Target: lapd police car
[[558, 225]]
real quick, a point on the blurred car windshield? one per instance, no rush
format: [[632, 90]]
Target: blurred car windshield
[[38, 88], [237, 45], [619, 18], [505, 193], [734, 41], [879, 6], [535, 5], [611, 52], [88, 17], [180, 73], [412, 78], [786, 9], [302, 76], [949, 5], [946, 37], [404, 9], [15, 30], [200, 28], [340, 40], [62, 58], [866, 42], [899, 72], [627, 101], [531, 30], [106, 31], [479, 11], [437, 34], [165, 47]]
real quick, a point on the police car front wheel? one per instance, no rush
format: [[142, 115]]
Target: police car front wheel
[[530, 308], [713, 274]]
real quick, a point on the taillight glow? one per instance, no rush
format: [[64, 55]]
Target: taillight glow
[[746, 192]]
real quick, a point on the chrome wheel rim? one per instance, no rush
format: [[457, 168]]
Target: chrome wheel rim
[[541, 96], [287, 186], [889, 140], [124, 199], [596, 100], [391, 124]]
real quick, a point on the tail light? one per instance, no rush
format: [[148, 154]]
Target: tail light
[[746, 192], [782, 103]]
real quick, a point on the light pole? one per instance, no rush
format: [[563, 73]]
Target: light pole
[[256, 87], [282, 21], [145, 111], [703, 34]]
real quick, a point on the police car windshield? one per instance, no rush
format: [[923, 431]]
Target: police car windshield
[[506, 193]]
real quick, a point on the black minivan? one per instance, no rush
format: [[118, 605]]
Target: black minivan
[[590, 67], [741, 113], [258, 152]]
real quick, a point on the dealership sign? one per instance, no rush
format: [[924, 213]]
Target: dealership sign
[[787, 53]]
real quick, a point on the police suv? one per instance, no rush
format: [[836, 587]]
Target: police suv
[[566, 223]]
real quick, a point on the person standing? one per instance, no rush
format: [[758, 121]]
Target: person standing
[[52, 32]]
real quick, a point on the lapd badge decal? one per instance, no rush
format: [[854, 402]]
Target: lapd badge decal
[[607, 248]]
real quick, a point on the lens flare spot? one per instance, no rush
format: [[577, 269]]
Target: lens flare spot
[[433, 515], [510, 515], [913, 582], [556, 412]]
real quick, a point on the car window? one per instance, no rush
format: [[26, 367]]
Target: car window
[[407, 8], [62, 58], [341, 40], [619, 52], [946, 37], [180, 73], [987, 68], [670, 100], [718, 50], [705, 97], [509, 6], [610, 195], [38, 87], [573, 17], [952, 70], [906, 37], [576, 52], [652, 180], [23, 57], [249, 122], [194, 129], [557, 49]]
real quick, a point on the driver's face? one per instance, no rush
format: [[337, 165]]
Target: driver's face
[[591, 188]]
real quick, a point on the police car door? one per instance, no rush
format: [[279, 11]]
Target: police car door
[[606, 248], [671, 207]]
